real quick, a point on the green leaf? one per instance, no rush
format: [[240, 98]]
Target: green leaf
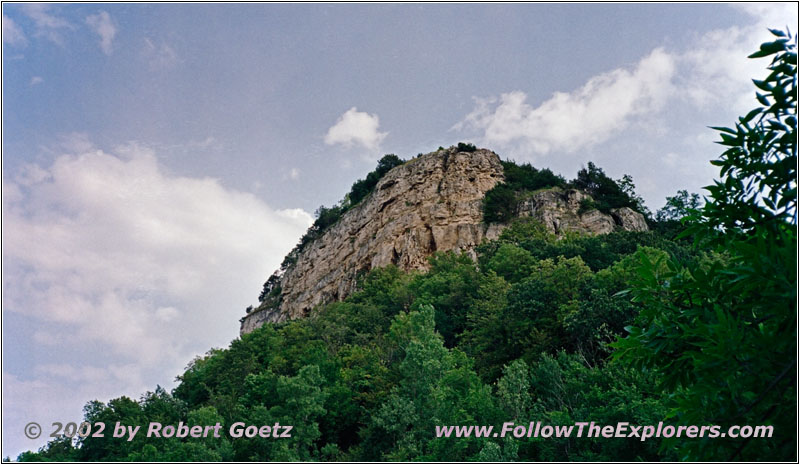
[[752, 114], [722, 129], [763, 85], [759, 54], [729, 141], [774, 47]]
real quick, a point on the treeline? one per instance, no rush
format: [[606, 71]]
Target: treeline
[[523, 335]]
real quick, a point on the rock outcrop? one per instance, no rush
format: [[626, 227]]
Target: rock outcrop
[[562, 210], [428, 204]]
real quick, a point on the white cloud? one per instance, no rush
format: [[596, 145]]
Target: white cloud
[[47, 25], [12, 33], [205, 143], [97, 240], [102, 24], [572, 121], [771, 14], [159, 56], [293, 174], [654, 114], [713, 73], [356, 128], [36, 80], [145, 268]]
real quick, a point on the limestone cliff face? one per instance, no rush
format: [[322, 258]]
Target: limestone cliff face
[[431, 203], [428, 204]]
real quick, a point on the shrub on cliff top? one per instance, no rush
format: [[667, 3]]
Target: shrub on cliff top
[[500, 202], [462, 147]]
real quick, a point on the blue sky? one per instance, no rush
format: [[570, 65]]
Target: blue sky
[[159, 160]]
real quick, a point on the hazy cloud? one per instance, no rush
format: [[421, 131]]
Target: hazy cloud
[[356, 128], [771, 14], [36, 80], [102, 24], [713, 73], [159, 56], [12, 33], [47, 25]]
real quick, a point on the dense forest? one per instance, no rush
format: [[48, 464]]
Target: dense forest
[[691, 323]]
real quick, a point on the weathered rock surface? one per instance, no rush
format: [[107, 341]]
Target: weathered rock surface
[[630, 220], [431, 203], [560, 211], [428, 204]]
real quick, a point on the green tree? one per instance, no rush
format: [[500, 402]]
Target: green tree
[[435, 386], [512, 262], [565, 390], [678, 206], [513, 389], [606, 192], [450, 287], [721, 332]]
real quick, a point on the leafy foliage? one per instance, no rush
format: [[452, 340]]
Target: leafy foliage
[[678, 206], [500, 202], [363, 187], [758, 170], [369, 378], [721, 332], [607, 193], [668, 219]]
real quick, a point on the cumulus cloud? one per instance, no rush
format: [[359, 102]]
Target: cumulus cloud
[[572, 121], [111, 236], [356, 128], [102, 24], [713, 73], [145, 268], [12, 33]]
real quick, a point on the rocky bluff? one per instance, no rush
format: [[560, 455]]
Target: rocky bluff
[[430, 203]]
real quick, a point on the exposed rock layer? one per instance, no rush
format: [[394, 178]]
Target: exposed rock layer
[[431, 203], [428, 204], [560, 211]]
